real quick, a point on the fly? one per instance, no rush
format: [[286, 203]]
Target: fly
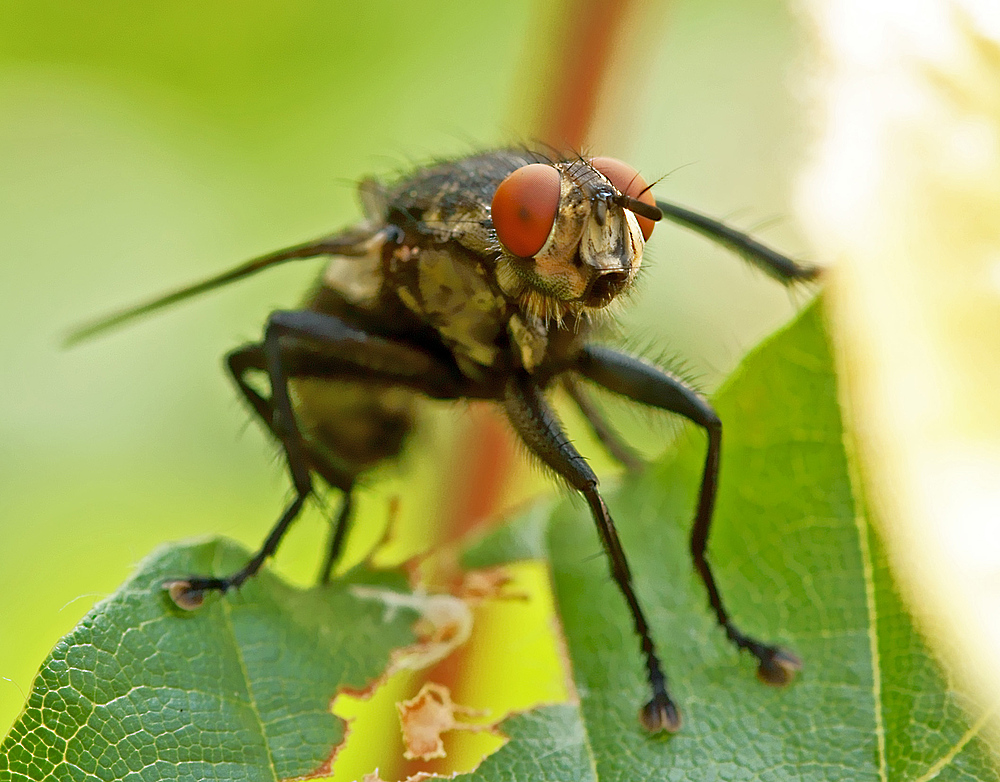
[[476, 278]]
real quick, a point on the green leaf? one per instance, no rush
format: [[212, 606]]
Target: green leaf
[[241, 689], [238, 690], [797, 563]]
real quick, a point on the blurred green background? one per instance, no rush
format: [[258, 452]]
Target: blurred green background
[[146, 145]]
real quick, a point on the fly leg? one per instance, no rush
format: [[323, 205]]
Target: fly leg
[[538, 427], [190, 592], [644, 383], [240, 363], [606, 435], [337, 535], [302, 343]]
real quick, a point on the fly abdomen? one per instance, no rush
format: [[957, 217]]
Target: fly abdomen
[[353, 425]]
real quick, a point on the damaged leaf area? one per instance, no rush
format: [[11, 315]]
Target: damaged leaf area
[[489, 650], [237, 690], [445, 623], [425, 717], [798, 562], [242, 688]]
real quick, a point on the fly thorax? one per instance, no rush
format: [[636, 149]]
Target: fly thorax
[[531, 338], [449, 289]]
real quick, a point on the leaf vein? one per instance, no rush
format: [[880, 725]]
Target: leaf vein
[[868, 570], [952, 753], [250, 694]]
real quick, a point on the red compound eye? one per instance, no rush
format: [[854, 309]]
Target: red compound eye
[[629, 183], [524, 208]]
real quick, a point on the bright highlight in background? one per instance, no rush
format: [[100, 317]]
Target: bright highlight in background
[[904, 191]]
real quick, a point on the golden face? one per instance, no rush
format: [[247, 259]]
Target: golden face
[[567, 242]]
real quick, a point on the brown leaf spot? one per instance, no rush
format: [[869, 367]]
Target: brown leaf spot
[[488, 584], [445, 623], [426, 716]]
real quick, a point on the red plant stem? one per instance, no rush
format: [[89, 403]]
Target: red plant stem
[[486, 454], [583, 53]]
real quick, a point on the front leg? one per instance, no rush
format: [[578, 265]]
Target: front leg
[[645, 383], [538, 427]]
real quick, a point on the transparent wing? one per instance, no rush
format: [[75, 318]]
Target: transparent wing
[[352, 242]]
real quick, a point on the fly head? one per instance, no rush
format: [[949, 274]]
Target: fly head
[[570, 234]]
